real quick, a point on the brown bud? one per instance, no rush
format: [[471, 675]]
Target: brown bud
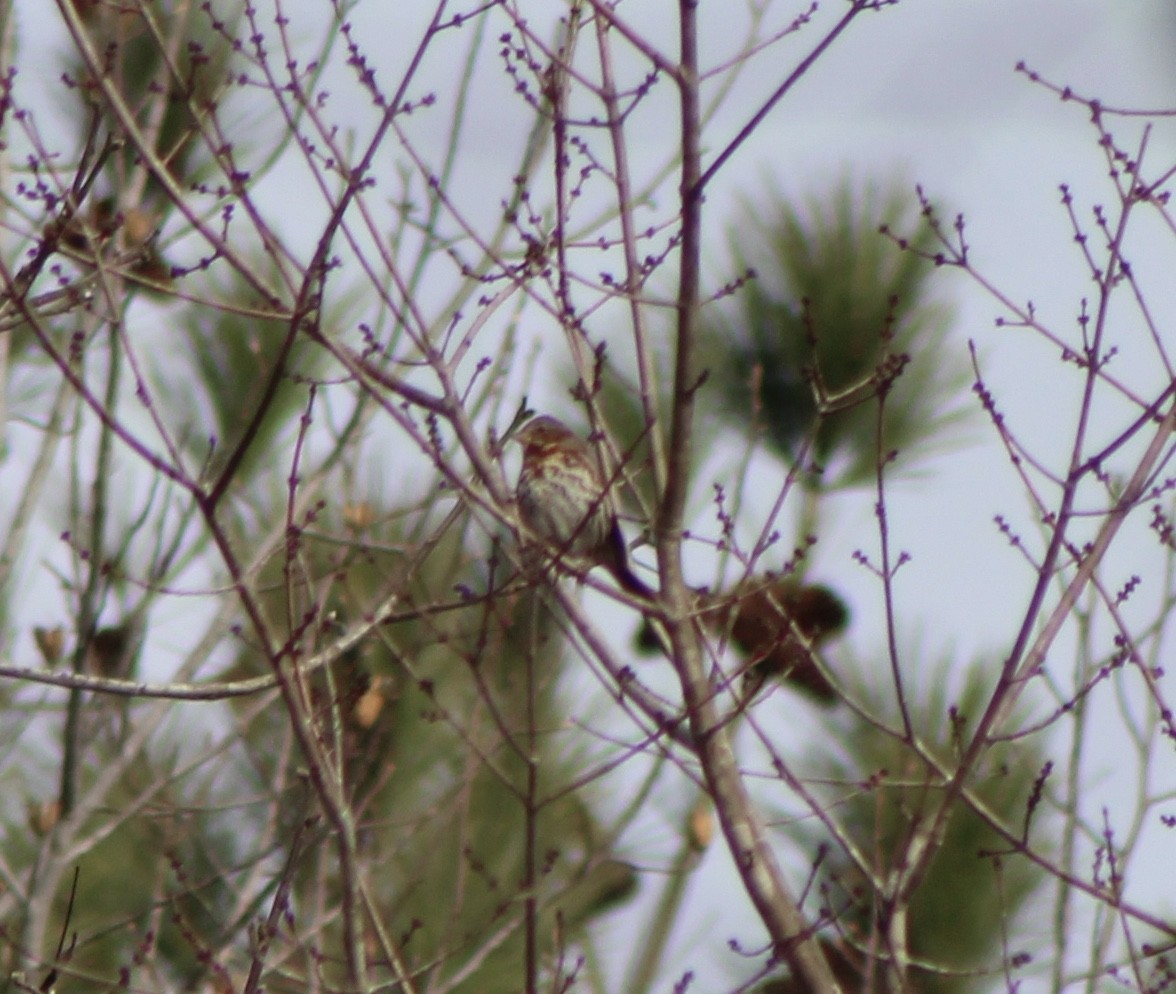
[[51, 642], [42, 816], [700, 825], [371, 702]]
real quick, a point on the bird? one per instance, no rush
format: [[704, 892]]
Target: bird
[[775, 622], [564, 500], [763, 617]]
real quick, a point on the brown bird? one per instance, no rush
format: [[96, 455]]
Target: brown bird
[[763, 617], [563, 499]]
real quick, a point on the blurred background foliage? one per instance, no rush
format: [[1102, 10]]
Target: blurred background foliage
[[217, 366], [977, 889], [429, 719], [829, 299]]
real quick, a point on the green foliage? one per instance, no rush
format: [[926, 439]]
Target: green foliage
[[830, 300], [219, 366], [157, 880], [974, 887], [441, 721], [167, 88]]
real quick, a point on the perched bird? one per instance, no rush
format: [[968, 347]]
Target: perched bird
[[764, 617], [775, 622], [563, 499]]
